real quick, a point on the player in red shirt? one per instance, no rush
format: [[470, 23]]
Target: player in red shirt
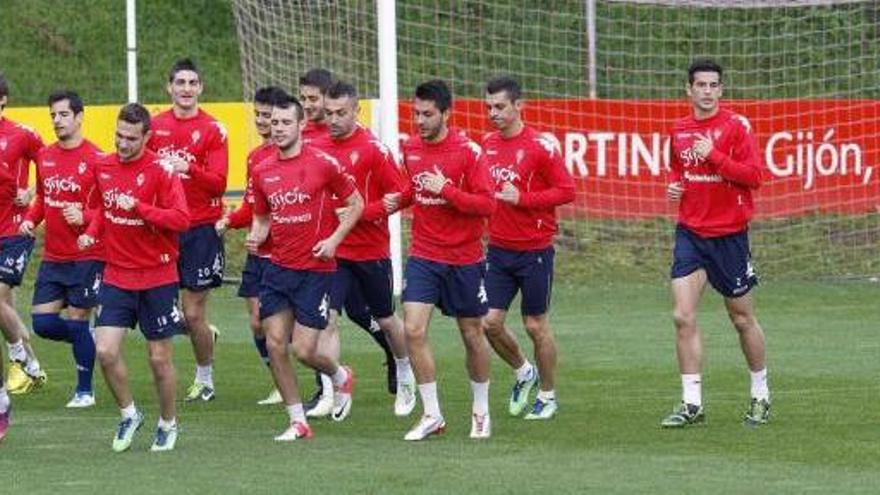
[[531, 181], [452, 196], [293, 197], [242, 217], [313, 86], [194, 144], [714, 167], [142, 211], [19, 146], [363, 276], [68, 278]]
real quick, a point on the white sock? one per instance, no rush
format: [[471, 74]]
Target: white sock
[[17, 351], [340, 376], [327, 385], [481, 397], [295, 413], [428, 391], [4, 400], [524, 372], [404, 370], [760, 390], [692, 390], [167, 424], [129, 411], [205, 375], [547, 395]]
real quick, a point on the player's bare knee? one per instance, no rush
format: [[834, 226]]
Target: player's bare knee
[[107, 354], [685, 321], [194, 315], [743, 322]]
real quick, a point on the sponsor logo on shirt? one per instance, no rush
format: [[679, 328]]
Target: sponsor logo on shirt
[[280, 199], [56, 184], [501, 174], [81, 168]]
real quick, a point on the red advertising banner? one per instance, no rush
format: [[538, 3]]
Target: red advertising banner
[[819, 155]]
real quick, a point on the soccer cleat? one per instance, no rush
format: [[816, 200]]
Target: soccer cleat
[[21, 382], [125, 432], [481, 426], [427, 426], [758, 413], [81, 400], [519, 394], [405, 401], [164, 439], [215, 332], [683, 415], [199, 391], [296, 431], [342, 397], [272, 399], [543, 409], [4, 422], [323, 408]]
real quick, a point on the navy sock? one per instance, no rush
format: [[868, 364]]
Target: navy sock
[[371, 326], [51, 326], [260, 344], [83, 353]]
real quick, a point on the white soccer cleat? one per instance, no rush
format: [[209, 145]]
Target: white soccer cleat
[[427, 426], [481, 426], [81, 400], [405, 401], [322, 409], [342, 397], [295, 431], [272, 399]]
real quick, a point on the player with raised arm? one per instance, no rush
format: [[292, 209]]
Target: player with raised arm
[[68, 278], [451, 195], [142, 211], [293, 199], [241, 218], [19, 146], [363, 274], [714, 168], [194, 144], [531, 181]]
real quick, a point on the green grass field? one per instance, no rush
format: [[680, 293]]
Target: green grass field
[[618, 378]]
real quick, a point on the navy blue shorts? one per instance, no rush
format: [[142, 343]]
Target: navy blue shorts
[[15, 251], [201, 259], [76, 283], [306, 293], [254, 266], [154, 310], [726, 259], [510, 271], [363, 283], [458, 290]]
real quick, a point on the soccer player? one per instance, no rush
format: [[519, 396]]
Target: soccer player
[[714, 168], [19, 146], [194, 144], [242, 217], [452, 196], [293, 198], [68, 277], [363, 274], [313, 86], [531, 181], [142, 211]]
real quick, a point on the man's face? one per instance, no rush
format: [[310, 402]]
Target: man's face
[[286, 127], [263, 119], [705, 91], [429, 119], [130, 140], [64, 121], [185, 89], [313, 102], [503, 113], [341, 114]]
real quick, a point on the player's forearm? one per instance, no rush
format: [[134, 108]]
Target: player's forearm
[[241, 217], [212, 181], [548, 198], [259, 228], [741, 173], [355, 206], [482, 205], [175, 218], [36, 213], [374, 211], [96, 225]]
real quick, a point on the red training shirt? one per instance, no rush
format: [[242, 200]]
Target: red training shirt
[[242, 217], [19, 145]]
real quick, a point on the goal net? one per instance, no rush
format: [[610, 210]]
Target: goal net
[[607, 78]]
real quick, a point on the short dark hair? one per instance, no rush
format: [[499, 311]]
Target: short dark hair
[[183, 64], [135, 113], [4, 86], [287, 101], [507, 84], [76, 103], [318, 78], [704, 65], [436, 91], [341, 89], [268, 94]]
